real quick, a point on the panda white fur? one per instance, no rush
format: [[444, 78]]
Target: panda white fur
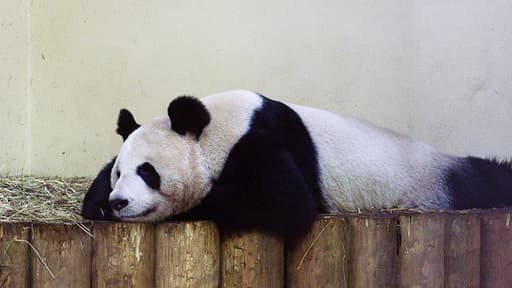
[[246, 161]]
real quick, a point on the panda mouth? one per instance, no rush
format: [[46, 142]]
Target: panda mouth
[[142, 214]]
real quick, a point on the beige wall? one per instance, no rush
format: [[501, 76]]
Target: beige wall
[[14, 100], [438, 70]]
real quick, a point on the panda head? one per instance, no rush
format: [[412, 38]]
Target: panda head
[[160, 171]]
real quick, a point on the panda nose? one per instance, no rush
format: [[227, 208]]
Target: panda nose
[[118, 204]]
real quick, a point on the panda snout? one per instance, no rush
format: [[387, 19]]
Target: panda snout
[[118, 203]]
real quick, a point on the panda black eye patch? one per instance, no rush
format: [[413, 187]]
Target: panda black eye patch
[[148, 173]]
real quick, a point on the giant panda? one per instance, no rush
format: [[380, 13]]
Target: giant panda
[[246, 161]]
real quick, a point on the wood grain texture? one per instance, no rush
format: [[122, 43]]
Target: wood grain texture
[[188, 255], [462, 250], [496, 249], [66, 251], [252, 259], [373, 251], [421, 250], [14, 255], [320, 258], [123, 255]]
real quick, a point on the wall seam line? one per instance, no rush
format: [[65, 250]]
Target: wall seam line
[[28, 159]]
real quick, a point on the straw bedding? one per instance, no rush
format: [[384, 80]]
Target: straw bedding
[[42, 199]]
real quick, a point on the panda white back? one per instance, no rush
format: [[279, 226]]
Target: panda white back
[[363, 166]]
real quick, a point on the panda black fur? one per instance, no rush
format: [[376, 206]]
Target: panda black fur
[[246, 161], [96, 205]]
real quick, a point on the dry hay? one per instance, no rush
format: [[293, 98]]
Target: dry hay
[[42, 199]]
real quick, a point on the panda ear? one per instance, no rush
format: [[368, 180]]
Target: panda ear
[[126, 124], [188, 114]]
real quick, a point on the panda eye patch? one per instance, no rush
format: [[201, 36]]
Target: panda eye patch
[[148, 173], [118, 173]]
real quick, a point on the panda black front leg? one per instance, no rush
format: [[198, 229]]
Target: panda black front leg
[[261, 186], [95, 205]]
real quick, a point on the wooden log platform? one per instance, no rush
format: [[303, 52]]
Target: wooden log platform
[[14, 255], [188, 255], [496, 249], [421, 250], [462, 250], [399, 249], [252, 259], [61, 256], [123, 255], [373, 251], [320, 258]]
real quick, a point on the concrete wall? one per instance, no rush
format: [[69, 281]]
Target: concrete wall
[[14, 83], [439, 71]]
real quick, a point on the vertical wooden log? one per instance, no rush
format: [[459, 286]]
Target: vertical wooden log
[[123, 255], [421, 250], [14, 255], [188, 255], [252, 259], [496, 249], [320, 258], [61, 256], [373, 251], [462, 250]]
